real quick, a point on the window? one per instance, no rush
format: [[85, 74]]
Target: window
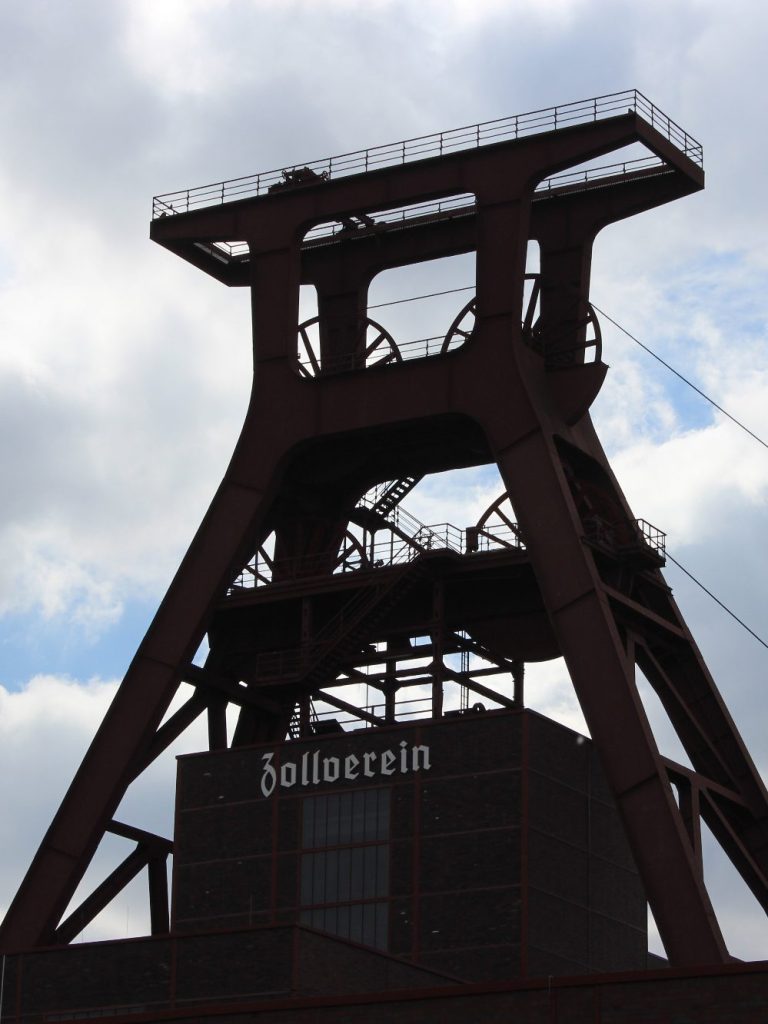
[[345, 865]]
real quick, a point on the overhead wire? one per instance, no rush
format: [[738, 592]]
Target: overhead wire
[[643, 346], [432, 295], [717, 600], [680, 376]]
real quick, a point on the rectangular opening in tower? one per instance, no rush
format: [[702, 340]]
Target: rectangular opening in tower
[[406, 291]]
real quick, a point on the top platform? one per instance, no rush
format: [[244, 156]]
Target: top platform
[[423, 147]]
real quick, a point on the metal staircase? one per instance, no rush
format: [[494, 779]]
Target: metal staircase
[[323, 657], [393, 493]]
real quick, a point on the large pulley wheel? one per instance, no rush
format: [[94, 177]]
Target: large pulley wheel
[[462, 328], [377, 348]]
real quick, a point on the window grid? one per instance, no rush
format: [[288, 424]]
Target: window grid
[[344, 879], [339, 819]]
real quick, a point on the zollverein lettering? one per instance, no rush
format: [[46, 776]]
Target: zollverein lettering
[[312, 768]]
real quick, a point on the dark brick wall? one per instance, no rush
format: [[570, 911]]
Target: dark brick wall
[[727, 997], [501, 862], [379, 990], [152, 975], [586, 907], [129, 974], [149, 974]]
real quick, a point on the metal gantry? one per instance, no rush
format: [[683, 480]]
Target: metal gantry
[[314, 587]]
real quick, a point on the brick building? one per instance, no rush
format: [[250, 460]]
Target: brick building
[[408, 873]]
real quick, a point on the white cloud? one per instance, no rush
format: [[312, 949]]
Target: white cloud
[[174, 46], [693, 484], [44, 732], [45, 729]]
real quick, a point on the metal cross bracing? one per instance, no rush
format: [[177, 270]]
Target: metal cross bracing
[[377, 628], [313, 595]]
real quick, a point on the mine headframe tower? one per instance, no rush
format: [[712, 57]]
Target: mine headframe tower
[[343, 421]]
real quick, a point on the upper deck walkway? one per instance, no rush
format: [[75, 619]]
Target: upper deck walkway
[[425, 147]]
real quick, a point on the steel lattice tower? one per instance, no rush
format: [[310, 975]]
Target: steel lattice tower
[[346, 410]]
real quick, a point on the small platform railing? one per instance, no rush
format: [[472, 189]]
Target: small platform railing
[[417, 348], [628, 538], [425, 146], [652, 536]]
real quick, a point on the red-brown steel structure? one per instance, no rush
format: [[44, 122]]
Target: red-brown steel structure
[[572, 574]]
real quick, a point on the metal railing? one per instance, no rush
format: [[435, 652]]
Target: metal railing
[[464, 204], [590, 175], [422, 537], [625, 538], [652, 536], [417, 348], [340, 627], [415, 212], [393, 551], [405, 709], [447, 209], [426, 146], [455, 206], [414, 707]]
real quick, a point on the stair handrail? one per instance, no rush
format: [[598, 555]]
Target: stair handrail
[[301, 660]]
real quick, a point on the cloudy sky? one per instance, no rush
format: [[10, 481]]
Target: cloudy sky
[[124, 372]]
